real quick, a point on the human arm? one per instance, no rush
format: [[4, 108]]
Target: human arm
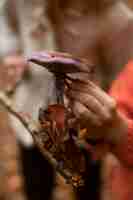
[[113, 116]]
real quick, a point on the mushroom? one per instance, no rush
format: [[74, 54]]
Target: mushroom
[[61, 64]]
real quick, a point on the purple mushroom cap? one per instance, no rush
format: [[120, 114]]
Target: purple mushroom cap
[[57, 62]]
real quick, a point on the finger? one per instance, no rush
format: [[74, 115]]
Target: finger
[[89, 102], [83, 114], [90, 88]]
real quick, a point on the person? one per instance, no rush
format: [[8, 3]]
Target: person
[[100, 31], [93, 43], [21, 34], [109, 117]]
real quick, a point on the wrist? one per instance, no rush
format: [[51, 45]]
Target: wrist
[[117, 129], [111, 132]]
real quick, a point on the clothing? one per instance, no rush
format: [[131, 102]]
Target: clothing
[[121, 177]]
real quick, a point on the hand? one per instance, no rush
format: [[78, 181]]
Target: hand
[[94, 110]]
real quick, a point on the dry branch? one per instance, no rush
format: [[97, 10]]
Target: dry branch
[[33, 129]]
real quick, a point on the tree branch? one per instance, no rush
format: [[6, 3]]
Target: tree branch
[[33, 129]]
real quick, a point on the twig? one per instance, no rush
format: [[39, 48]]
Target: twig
[[33, 129]]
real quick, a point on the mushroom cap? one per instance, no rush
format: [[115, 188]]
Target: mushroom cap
[[62, 63]]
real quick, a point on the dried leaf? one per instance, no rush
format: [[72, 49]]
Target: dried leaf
[[60, 142]]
